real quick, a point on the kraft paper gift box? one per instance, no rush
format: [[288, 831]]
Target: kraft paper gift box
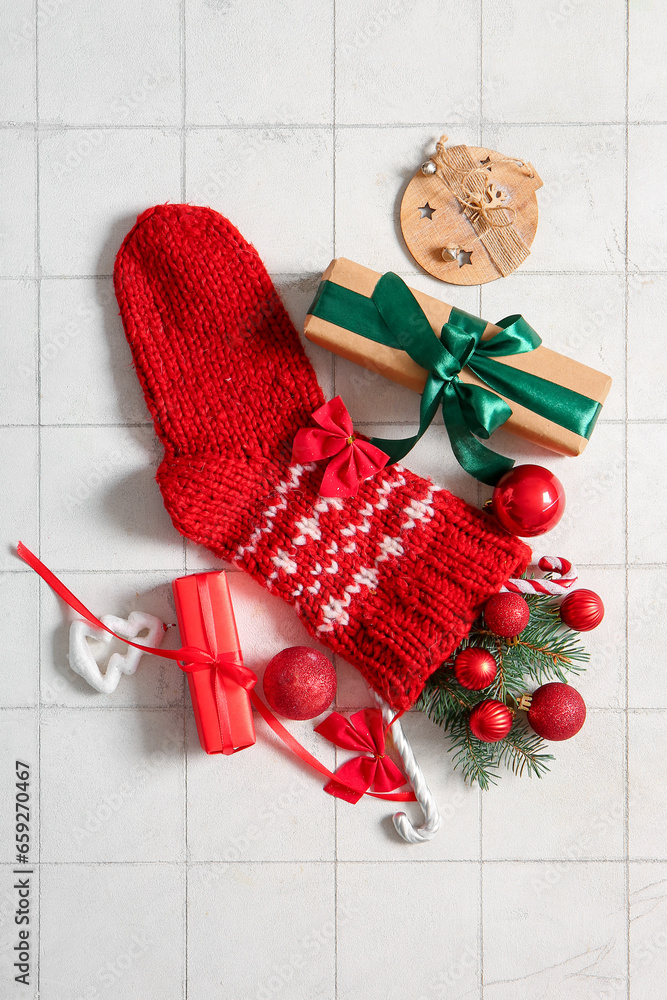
[[397, 365]]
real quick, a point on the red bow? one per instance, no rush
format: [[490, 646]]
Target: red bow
[[363, 731], [352, 458]]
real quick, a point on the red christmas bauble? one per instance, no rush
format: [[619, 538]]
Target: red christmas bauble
[[557, 711], [299, 683], [582, 610], [528, 500], [490, 721], [506, 615], [475, 668]]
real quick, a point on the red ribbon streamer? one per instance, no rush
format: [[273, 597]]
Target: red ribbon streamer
[[301, 752], [195, 659], [200, 659]]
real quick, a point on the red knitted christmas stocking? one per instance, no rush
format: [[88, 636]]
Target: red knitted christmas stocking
[[390, 579]]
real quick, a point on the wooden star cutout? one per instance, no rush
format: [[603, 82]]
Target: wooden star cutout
[[426, 212], [463, 257]]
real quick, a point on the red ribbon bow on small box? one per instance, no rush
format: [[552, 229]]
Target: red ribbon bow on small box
[[219, 682], [220, 687]]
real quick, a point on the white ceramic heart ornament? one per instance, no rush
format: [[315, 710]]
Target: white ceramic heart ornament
[[81, 658]]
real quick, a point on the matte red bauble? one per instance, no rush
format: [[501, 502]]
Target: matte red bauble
[[528, 500], [582, 610], [299, 683], [557, 711], [506, 615], [490, 721], [475, 668]]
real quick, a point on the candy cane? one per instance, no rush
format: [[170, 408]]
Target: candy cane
[[413, 834], [548, 564]]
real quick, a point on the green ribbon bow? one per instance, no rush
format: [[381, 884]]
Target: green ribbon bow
[[392, 316]]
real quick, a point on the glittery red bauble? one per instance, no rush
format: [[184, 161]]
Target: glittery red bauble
[[506, 615], [475, 668], [582, 610], [557, 711], [528, 500], [490, 721], [299, 683]]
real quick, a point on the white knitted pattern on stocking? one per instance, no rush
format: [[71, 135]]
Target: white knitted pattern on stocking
[[318, 545]]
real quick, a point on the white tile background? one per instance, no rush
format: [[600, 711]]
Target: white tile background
[[164, 873]]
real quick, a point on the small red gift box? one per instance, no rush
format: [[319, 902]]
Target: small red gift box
[[206, 621]]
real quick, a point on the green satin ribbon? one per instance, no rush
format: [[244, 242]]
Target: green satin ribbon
[[392, 316]]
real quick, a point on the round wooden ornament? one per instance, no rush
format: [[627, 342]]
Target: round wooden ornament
[[469, 214]]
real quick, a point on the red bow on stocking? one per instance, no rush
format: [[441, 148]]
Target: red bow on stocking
[[363, 731], [351, 458]]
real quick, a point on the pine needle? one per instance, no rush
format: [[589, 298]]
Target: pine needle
[[523, 750]]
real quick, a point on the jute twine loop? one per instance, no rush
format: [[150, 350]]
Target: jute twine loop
[[483, 202]]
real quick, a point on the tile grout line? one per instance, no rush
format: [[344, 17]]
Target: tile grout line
[[186, 862], [316, 126], [333, 386], [519, 275], [480, 487], [334, 153], [626, 763], [38, 276], [233, 569], [147, 425], [183, 94], [167, 571], [563, 859], [184, 550], [173, 706], [480, 930], [480, 883], [176, 705]]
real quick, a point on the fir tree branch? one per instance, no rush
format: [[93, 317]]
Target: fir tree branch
[[474, 758], [546, 650], [522, 750]]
